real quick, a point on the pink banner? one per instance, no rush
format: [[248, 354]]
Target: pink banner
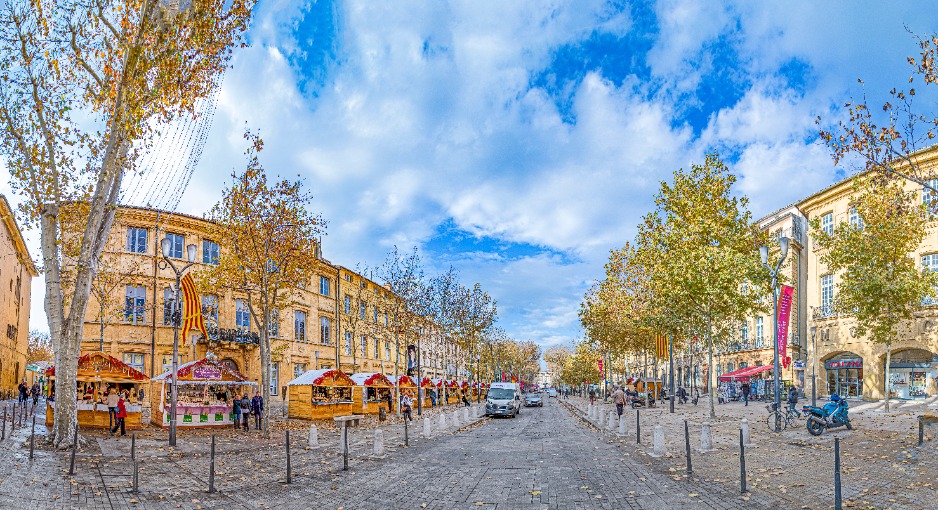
[[784, 314]]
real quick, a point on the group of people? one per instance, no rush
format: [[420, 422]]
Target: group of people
[[245, 407], [25, 392]]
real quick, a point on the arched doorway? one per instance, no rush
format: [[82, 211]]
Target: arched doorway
[[911, 372], [230, 363], [845, 375]]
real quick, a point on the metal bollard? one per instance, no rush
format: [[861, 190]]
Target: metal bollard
[[133, 445], [345, 446], [71, 464], [742, 464], [687, 448], [289, 471], [921, 431], [638, 428], [211, 467], [406, 436], [136, 477], [3, 432], [838, 499], [32, 438]]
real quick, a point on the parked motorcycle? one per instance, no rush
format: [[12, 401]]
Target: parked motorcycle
[[638, 401], [833, 414]]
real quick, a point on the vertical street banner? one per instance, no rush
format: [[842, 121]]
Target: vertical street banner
[[412, 360], [661, 346], [192, 309], [600, 363], [784, 314]]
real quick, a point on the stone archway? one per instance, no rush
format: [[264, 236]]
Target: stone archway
[[230, 363], [912, 372]]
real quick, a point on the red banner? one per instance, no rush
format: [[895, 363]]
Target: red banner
[[784, 314], [600, 360]]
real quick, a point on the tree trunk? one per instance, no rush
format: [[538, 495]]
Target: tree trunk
[[713, 413], [888, 362], [265, 376]]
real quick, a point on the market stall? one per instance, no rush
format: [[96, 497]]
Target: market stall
[[371, 392], [320, 394], [405, 385], [431, 392], [452, 392], [205, 394], [98, 375], [647, 387]]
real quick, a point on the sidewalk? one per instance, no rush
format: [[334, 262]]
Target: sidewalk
[[246, 464], [881, 465]]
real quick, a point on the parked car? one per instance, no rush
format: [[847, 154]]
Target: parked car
[[503, 399], [533, 400]]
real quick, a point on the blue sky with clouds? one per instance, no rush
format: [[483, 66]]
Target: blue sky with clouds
[[521, 141]]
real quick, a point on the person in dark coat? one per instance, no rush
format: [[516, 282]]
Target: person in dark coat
[[119, 417], [792, 398], [257, 409], [746, 393], [236, 413], [245, 410]]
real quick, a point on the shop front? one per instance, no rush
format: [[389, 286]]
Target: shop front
[[911, 374], [845, 375]]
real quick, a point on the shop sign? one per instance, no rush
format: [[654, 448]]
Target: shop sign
[[799, 364], [206, 373], [839, 364]]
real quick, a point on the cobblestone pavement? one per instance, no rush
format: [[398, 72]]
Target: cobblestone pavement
[[546, 458], [882, 466]]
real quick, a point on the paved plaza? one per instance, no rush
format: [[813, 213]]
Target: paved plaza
[[549, 457]]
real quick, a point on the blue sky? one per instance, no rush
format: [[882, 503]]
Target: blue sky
[[521, 141]]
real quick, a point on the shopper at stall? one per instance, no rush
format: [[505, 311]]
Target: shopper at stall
[[112, 399], [245, 410], [236, 412], [120, 416], [257, 409]]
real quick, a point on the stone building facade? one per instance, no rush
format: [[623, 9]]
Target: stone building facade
[[16, 273], [850, 364], [340, 315]]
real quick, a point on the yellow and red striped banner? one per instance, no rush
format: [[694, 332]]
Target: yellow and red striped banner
[[661, 346], [192, 308]]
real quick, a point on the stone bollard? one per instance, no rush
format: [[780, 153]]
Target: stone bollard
[[465, 415], [659, 448], [313, 437], [442, 422], [589, 411], [426, 428], [621, 426], [342, 439], [455, 417], [379, 443], [613, 418], [706, 441], [744, 426]]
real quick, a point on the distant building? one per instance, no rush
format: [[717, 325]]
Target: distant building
[[16, 273]]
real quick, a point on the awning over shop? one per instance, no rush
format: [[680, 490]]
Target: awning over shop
[[743, 374]]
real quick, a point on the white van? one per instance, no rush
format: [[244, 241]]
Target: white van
[[503, 399]]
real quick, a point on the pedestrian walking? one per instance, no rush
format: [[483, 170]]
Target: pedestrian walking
[[792, 398], [592, 396], [245, 410], [745, 389], [465, 400], [112, 399], [236, 412], [35, 393], [119, 417], [618, 398], [22, 389], [257, 409], [406, 402], [681, 395]]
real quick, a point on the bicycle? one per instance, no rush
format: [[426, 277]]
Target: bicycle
[[777, 420]]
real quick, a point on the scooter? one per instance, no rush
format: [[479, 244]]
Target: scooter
[[637, 401], [833, 414]]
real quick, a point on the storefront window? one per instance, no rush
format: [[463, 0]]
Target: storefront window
[[845, 375]]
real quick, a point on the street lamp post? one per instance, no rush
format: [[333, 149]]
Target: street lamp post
[[773, 272], [813, 366], [167, 247]]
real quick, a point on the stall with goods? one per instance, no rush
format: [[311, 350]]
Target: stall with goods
[[371, 392], [320, 394], [205, 394], [100, 376]]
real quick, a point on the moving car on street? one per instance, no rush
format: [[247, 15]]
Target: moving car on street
[[533, 399], [503, 399]]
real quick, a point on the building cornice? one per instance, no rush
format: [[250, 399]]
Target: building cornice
[[6, 212]]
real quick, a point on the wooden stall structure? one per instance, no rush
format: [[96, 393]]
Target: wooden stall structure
[[428, 387], [320, 395], [648, 387], [371, 392], [207, 389], [98, 374], [453, 395]]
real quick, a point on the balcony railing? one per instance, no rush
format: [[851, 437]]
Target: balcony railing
[[824, 312], [238, 336]]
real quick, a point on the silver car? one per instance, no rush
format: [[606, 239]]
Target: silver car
[[533, 400]]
